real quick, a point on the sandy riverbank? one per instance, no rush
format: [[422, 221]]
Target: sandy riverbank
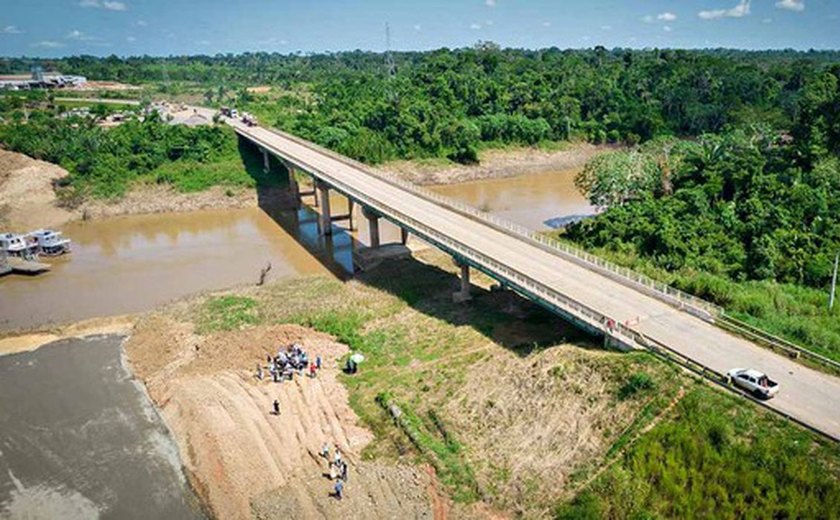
[[495, 164]]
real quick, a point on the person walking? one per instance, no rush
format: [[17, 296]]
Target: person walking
[[318, 362], [339, 489], [276, 407], [325, 451], [344, 471], [312, 371]]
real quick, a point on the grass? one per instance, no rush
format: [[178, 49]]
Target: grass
[[715, 457], [228, 312]]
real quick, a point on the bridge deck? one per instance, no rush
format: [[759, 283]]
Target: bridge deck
[[807, 395]]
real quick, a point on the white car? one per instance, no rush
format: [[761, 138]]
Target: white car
[[754, 382]]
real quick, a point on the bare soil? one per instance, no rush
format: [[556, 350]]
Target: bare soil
[[27, 198], [495, 164], [236, 453]]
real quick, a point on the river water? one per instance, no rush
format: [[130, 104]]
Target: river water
[[133, 263]]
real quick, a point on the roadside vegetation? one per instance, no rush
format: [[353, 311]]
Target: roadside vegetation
[[745, 219]]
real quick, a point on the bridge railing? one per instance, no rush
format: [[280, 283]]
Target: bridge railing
[[594, 319], [698, 306]]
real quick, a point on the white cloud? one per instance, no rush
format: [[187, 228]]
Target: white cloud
[[546, 24], [48, 44], [11, 29], [80, 36], [647, 18], [111, 5], [418, 27], [203, 42], [141, 23], [791, 5], [606, 27], [130, 39], [488, 22], [666, 17], [490, 3], [667, 28], [740, 10], [475, 26]]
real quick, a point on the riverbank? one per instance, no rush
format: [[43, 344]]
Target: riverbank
[[28, 197], [495, 164]]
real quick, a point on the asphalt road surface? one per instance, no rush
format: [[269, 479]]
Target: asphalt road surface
[[80, 439], [805, 394]]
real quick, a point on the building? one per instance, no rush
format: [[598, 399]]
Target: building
[[40, 80]]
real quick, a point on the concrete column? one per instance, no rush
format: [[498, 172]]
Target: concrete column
[[463, 294], [294, 187], [326, 217], [350, 205], [373, 227], [266, 163], [403, 236]]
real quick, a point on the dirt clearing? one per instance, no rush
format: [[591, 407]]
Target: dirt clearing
[[234, 450]]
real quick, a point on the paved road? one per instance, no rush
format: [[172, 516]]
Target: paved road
[[806, 394]]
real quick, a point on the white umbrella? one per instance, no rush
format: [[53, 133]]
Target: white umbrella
[[357, 358]]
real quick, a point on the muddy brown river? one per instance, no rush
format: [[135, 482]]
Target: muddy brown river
[[133, 263]]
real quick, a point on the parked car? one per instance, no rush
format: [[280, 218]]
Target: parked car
[[755, 382]]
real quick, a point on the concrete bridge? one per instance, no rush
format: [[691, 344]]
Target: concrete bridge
[[628, 310]]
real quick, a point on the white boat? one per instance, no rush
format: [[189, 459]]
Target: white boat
[[17, 245], [49, 242]]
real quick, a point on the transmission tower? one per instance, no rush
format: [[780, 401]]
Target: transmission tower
[[389, 58]]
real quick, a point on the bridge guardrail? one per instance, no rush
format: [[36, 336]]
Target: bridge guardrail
[[702, 308], [595, 319]]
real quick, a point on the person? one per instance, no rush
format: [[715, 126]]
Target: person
[[312, 371], [339, 489], [318, 362], [259, 372], [325, 451], [337, 456], [344, 471], [276, 407], [268, 358]]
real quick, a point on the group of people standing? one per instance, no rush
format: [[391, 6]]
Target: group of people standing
[[293, 359], [337, 469]]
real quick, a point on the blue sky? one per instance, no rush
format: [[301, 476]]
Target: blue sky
[[51, 28]]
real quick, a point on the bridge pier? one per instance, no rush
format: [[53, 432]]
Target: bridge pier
[[348, 216], [463, 295], [266, 160], [403, 236], [373, 227], [326, 217]]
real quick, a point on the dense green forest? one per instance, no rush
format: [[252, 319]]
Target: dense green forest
[[449, 102]]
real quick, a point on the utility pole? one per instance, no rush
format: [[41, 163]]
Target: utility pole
[[833, 282]]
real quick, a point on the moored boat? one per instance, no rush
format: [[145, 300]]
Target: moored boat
[[18, 245], [49, 242]]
